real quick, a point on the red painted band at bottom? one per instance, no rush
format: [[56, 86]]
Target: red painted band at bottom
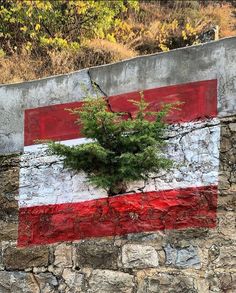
[[119, 215]]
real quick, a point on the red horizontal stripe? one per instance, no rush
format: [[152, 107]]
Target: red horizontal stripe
[[199, 100], [132, 213], [53, 122]]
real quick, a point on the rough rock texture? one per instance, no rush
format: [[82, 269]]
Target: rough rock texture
[[186, 261], [20, 259], [73, 281], [9, 188], [63, 256], [105, 281], [139, 256], [21, 282], [182, 257], [100, 253], [173, 282]]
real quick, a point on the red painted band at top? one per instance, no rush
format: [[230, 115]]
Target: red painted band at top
[[199, 101], [51, 123], [119, 215]]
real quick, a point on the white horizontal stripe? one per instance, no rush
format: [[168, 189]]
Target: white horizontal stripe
[[194, 146], [70, 142]]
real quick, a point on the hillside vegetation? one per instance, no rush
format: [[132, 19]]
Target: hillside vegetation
[[41, 38]]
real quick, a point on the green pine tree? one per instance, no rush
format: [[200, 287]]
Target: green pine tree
[[123, 150]]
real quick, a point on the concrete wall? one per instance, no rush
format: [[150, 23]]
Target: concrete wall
[[215, 60], [198, 259]]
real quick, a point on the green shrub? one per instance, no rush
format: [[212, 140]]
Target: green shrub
[[122, 150]]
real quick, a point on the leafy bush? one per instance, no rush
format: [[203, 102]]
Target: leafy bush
[[165, 25], [48, 37], [123, 149], [60, 24]]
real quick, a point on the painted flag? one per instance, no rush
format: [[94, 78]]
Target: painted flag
[[57, 204]]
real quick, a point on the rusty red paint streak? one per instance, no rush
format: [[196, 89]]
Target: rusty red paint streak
[[132, 213], [53, 122]]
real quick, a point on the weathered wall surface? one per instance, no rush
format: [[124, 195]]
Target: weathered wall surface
[[193, 260], [17, 97], [202, 166], [186, 260], [215, 60]]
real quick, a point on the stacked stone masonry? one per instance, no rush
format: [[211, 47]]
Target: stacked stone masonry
[[193, 260]]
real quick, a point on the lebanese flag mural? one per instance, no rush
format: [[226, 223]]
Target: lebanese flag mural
[[57, 204]]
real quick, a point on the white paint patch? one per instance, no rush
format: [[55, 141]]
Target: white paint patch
[[193, 146], [42, 147]]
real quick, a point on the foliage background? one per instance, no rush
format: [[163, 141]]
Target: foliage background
[[51, 37]]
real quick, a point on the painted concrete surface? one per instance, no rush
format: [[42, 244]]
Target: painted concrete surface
[[100, 265], [59, 205], [197, 100], [15, 98], [119, 215], [194, 147], [215, 60], [186, 260]]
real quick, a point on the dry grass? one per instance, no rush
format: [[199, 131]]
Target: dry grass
[[16, 68], [24, 66], [222, 15], [118, 51], [160, 27], [144, 32]]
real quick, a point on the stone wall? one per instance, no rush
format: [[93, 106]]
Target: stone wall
[[187, 260], [194, 149], [193, 260]]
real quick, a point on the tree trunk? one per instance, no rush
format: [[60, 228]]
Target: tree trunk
[[118, 188]]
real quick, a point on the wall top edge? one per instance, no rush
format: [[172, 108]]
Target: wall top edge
[[189, 48], [86, 70], [44, 79]]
